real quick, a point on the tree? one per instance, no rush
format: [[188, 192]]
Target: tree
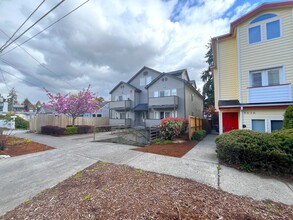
[[73, 105], [208, 78], [11, 99], [27, 104], [288, 118]]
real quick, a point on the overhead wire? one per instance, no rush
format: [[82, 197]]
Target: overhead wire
[[3, 48], [45, 28], [23, 24], [4, 80], [42, 65]]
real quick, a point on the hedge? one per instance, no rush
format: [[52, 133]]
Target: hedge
[[71, 130], [288, 118], [198, 135], [52, 130], [270, 152]]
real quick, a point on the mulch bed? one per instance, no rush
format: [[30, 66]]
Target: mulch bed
[[19, 147], [108, 191], [173, 150]]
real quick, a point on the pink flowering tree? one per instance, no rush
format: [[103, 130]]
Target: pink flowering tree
[[74, 105]]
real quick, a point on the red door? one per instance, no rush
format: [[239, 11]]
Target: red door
[[230, 121]]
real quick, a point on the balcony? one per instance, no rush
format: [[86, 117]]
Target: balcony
[[120, 122], [266, 94], [120, 105], [164, 102]]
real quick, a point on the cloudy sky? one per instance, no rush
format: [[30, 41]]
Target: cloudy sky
[[106, 41]]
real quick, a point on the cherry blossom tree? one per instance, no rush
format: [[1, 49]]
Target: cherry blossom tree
[[74, 105]]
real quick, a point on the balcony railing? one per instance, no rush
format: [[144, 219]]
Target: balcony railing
[[118, 122], [120, 105], [277, 93], [164, 102]]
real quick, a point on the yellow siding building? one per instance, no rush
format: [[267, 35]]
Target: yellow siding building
[[253, 69]]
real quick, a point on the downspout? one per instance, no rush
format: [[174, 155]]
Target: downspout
[[239, 77], [219, 94]]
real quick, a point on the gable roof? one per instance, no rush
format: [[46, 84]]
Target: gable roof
[[135, 89], [257, 10], [145, 67], [179, 72], [187, 83]]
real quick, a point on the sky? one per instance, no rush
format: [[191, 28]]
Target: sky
[[107, 41]]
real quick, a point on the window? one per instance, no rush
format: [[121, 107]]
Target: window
[[256, 79], [273, 29], [192, 97], [164, 114], [145, 80], [267, 77], [156, 115], [156, 94], [276, 125], [273, 77], [264, 27], [173, 92], [258, 125], [254, 34], [122, 97]]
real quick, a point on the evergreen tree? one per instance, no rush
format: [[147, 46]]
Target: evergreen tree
[[11, 99], [208, 78], [27, 104]]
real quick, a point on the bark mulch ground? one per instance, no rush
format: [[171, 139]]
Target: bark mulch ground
[[108, 191], [177, 149], [19, 146]]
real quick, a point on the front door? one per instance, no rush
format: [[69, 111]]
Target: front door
[[230, 121]]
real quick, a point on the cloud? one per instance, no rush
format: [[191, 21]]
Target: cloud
[[105, 42]]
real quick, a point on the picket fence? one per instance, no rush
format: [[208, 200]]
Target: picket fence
[[62, 121]]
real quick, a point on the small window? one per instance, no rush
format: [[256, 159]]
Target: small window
[[256, 79], [142, 81], [167, 92], [192, 97], [273, 29], [276, 125], [99, 115], [156, 115], [273, 77], [254, 34], [122, 115], [258, 125], [156, 94], [148, 80], [173, 92], [120, 98], [162, 93]]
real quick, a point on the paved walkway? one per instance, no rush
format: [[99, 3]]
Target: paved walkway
[[25, 176]]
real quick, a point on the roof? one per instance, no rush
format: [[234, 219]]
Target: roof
[[141, 107], [257, 10], [136, 89], [178, 73], [145, 67], [187, 83]]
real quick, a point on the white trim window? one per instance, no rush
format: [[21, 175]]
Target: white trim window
[[263, 28], [164, 114], [145, 80], [266, 77], [166, 92], [258, 125]]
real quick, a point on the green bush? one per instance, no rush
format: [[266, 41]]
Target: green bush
[[160, 141], [288, 118], [198, 135], [70, 130], [20, 123], [52, 130], [261, 151]]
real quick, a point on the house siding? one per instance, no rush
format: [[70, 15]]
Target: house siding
[[262, 114], [194, 107], [136, 82], [267, 54], [229, 86], [171, 83]]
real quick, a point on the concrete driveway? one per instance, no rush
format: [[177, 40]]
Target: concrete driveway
[[25, 176]]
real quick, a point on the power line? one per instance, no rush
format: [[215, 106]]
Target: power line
[[23, 23], [42, 65], [4, 80], [3, 48], [45, 28]]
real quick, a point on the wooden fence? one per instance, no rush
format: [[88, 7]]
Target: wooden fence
[[194, 124], [62, 121]]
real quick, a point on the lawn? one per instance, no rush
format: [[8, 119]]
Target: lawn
[[108, 191]]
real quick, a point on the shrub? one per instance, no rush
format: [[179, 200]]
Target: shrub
[[258, 151], [20, 123], [52, 130], [70, 130], [160, 141], [84, 129], [288, 118], [172, 127], [198, 135]]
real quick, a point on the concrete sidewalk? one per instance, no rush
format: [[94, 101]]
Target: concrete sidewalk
[[25, 176]]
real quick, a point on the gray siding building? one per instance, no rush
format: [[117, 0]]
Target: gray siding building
[[150, 96]]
